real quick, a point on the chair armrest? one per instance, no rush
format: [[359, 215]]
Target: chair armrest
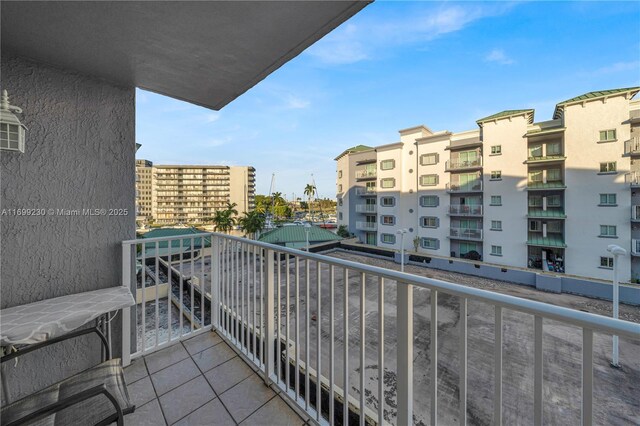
[[62, 338], [68, 402]]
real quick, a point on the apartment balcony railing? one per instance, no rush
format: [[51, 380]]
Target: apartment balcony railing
[[635, 213], [635, 247], [468, 187], [366, 208], [632, 146], [364, 174], [366, 191], [463, 165], [465, 210], [366, 226], [633, 179], [465, 233], [288, 313], [545, 158]]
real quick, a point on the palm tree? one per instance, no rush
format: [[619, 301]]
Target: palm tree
[[309, 190], [223, 220], [252, 223]]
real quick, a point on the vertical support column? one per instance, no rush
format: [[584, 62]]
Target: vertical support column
[[405, 353], [215, 281], [126, 312], [268, 316], [587, 377]]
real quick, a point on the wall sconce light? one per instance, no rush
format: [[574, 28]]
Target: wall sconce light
[[12, 131]]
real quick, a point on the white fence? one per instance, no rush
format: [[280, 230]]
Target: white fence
[[290, 313]]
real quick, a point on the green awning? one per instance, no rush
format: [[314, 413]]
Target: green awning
[[548, 241]]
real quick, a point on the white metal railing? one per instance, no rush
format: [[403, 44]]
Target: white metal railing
[[368, 190], [366, 208], [635, 212], [290, 312], [457, 164], [632, 146], [465, 210], [361, 174], [466, 233], [468, 187], [635, 247], [366, 226]]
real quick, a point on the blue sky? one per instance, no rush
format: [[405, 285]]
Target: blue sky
[[397, 65]]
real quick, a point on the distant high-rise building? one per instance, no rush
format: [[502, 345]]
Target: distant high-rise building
[[170, 194], [550, 195]]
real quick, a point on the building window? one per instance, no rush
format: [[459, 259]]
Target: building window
[[496, 175], [496, 225], [606, 262], [553, 148], [387, 164], [553, 175], [429, 180], [430, 243], [535, 176], [340, 188], [339, 201], [553, 201], [555, 226], [388, 238], [608, 167], [387, 183], [608, 231], [387, 220], [339, 174], [340, 215], [429, 159], [429, 201], [535, 201], [387, 201], [429, 222], [535, 225], [607, 135], [496, 250], [608, 200], [496, 150], [496, 200]]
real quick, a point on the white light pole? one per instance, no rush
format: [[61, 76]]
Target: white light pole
[[307, 228], [616, 251], [401, 232]]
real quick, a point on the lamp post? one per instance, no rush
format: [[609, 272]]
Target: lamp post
[[307, 228], [616, 251], [401, 232]]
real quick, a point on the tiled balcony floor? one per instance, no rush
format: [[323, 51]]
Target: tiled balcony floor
[[202, 381]]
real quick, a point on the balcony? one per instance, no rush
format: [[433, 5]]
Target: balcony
[[455, 165], [465, 234], [632, 179], [465, 210], [366, 226], [366, 191], [543, 186], [545, 159], [366, 208], [227, 345], [635, 247], [632, 146], [550, 213], [366, 174], [468, 187], [635, 213]]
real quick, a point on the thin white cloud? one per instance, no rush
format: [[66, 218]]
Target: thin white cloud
[[211, 117], [498, 56], [367, 39]]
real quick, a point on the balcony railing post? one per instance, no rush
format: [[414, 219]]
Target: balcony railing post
[[215, 281], [126, 312], [405, 353], [268, 316]]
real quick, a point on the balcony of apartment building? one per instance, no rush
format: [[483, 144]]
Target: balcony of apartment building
[[368, 225], [632, 146], [546, 205], [544, 178], [546, 151], [461, 183], [464, 161], [366, 208], [546, 233], [465, 205], [632, 179], [366, 173], [366, 191], [466, 229]]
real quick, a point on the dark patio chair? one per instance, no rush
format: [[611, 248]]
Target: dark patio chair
[[96, 396]]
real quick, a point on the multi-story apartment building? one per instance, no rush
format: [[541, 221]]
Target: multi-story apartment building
[[169, 194], [548, 195]]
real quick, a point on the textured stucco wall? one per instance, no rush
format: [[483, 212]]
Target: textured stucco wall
[[79, 154]]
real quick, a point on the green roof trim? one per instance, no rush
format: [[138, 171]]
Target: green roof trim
[[175, 243], [297, 234], [548, 185], [357, 148], [505, 114], [549, 241], [599, 94]]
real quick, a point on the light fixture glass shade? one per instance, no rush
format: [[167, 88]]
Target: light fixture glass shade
[[12, 131]]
